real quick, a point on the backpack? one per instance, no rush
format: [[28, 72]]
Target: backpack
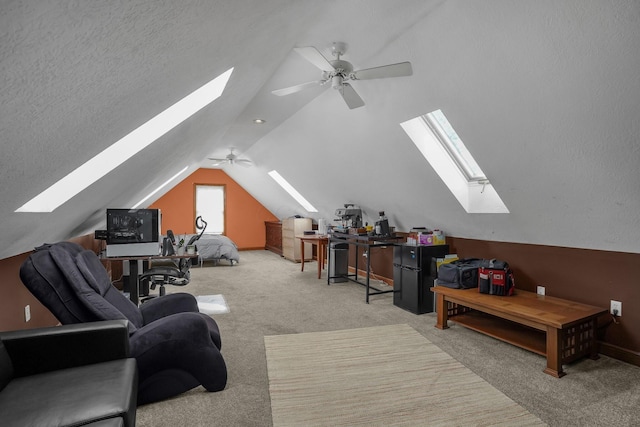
[[495, 278]]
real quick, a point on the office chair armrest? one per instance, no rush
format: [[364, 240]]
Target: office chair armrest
[[34, 351], [166, 305]]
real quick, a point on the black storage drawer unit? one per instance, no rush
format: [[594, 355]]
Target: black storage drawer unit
[[413, 275]]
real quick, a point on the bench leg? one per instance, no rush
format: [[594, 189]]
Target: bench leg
[[443, 314], [554, 353], [593, 354]]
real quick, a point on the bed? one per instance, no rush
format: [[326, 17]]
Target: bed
[[214, 247]]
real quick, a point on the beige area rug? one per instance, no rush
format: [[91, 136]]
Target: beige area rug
[[379, 376]]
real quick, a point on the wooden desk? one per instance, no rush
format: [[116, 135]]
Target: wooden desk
[[559, 329], [134, 281], [321, 242]]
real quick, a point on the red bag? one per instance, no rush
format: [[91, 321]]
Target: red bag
[[496, 278]]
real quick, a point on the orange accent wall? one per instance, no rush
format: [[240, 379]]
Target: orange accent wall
[[245, 216]]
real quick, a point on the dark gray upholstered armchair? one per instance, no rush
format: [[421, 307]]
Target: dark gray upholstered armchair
[[177, 347], [68, 376]]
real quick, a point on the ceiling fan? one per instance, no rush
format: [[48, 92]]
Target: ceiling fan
[[231, 159], [339, 71]]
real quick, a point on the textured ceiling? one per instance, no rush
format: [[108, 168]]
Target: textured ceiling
[[545, 94]]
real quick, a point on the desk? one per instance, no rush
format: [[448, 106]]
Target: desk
[[321, 242], [134, 282], [559, 329], [367, 242]]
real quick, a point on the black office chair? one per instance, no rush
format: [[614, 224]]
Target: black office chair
[[174, 274]]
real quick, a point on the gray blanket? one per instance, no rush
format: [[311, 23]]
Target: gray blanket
[[213, 247]]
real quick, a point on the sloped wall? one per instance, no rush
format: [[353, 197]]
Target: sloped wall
[[245, 216]]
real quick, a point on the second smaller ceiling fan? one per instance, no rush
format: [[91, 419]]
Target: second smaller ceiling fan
[[231, 159]]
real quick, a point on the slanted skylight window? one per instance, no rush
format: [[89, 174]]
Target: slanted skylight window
[[441, 146], [120, 151], [454, 145], [160, 188], [292, 191]]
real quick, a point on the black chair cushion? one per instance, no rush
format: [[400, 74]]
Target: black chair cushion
[[45, 280], [93, 300], [70, 397], [111, 422], [6, 367], [98, 279]]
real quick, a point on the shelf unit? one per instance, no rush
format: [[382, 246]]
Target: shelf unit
[[290, 245]]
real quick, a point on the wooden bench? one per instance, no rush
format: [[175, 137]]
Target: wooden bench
[[558, 329]]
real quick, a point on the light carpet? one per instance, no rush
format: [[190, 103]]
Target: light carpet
[[379, 376]]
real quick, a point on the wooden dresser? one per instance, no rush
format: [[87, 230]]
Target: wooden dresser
[[292, 227], [273, 241]]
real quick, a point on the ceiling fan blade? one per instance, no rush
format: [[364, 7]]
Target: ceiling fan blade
[[296, 88], [217, 162], [393, 70], [312, 55], [350, 96], [244, 162]]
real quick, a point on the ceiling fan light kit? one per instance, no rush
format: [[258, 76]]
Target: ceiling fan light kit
[[339, 71]]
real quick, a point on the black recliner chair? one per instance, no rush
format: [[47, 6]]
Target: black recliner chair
[[177, 347], [68, 376]]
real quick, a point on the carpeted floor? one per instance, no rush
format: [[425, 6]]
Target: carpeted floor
[[267, 295], [378, 376]]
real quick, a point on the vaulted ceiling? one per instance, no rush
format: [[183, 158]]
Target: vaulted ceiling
[[545, 94]]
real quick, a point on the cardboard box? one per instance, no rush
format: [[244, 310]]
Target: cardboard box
[[438, 239]]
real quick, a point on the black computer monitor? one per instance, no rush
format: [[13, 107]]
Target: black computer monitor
[[133, 226]]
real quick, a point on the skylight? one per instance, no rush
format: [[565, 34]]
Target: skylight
[[292, 191], [441, 146], [126, 147], [450, 140], [160, 188]]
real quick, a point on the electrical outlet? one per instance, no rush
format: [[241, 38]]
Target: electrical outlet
[[27, 313], [616, 308], [541, 290]]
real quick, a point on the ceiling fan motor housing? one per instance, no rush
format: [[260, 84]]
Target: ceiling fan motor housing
[[342, 67], [342, 70]]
